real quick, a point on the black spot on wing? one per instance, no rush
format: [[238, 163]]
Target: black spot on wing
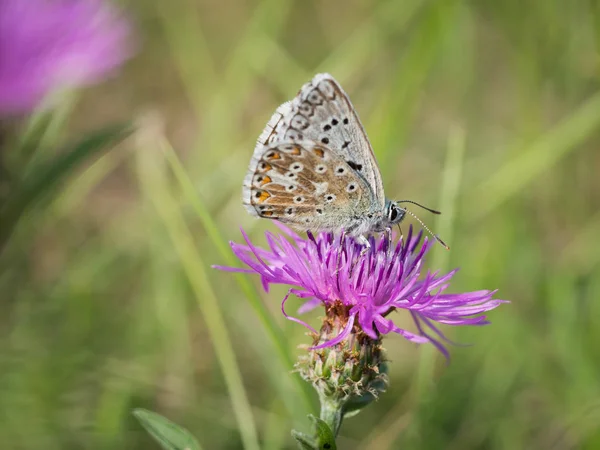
[[355, 166]]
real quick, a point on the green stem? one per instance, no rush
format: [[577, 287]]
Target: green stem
[[331, 413]]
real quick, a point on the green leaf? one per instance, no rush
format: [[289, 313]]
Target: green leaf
[[356, 403], [169, 435], [304, 441], [42, 180], [324, 435], [324, 438]]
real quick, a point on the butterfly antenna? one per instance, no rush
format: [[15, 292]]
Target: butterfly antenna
[[418, 204], [435, 236]]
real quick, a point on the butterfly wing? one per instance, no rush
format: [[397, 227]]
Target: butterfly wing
[[322, 112], [307, 185]]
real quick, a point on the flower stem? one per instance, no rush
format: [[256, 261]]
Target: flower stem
[[331, 413]]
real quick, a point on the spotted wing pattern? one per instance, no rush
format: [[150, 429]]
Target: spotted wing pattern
[[307, 185], [322, 112]]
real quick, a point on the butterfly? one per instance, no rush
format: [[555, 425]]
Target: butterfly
[[313, 167]]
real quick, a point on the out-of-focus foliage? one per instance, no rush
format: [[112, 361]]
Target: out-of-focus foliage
[[487, 110]]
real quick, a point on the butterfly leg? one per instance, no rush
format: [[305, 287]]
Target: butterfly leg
[[388, 237], [364, 241], [339, 256], [401, 234]]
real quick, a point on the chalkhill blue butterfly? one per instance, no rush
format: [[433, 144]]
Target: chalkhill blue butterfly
[[314, 168]]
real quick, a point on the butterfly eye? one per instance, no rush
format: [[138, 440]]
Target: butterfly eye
[[394, 213]]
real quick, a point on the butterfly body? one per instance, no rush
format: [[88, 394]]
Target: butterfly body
[[314, 168]]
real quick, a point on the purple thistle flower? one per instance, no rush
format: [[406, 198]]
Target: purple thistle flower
[[48, 45], [367, 287]]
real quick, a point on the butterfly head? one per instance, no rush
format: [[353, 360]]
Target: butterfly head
[[394, 214]]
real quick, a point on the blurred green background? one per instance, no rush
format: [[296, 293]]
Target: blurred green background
[[487, 110]]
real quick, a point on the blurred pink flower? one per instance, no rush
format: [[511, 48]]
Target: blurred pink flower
[[47, 45]]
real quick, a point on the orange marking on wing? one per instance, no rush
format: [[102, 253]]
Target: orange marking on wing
[[267, 213], [266, 179], [262, 196], [264, 167], [273, 155], [296, 151], [319, 152]]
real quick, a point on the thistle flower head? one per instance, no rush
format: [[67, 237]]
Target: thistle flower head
[[348, 375], [370, 286], [46, 45]]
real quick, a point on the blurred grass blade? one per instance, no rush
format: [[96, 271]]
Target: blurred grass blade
[[42, 180], [190, 49], [45, 134], [533, 161], [169, 435], [273, 331], [154, 182], [424, 381], [41, 131], [449, 192], [355, 51], [30, 139], [400, 105]]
